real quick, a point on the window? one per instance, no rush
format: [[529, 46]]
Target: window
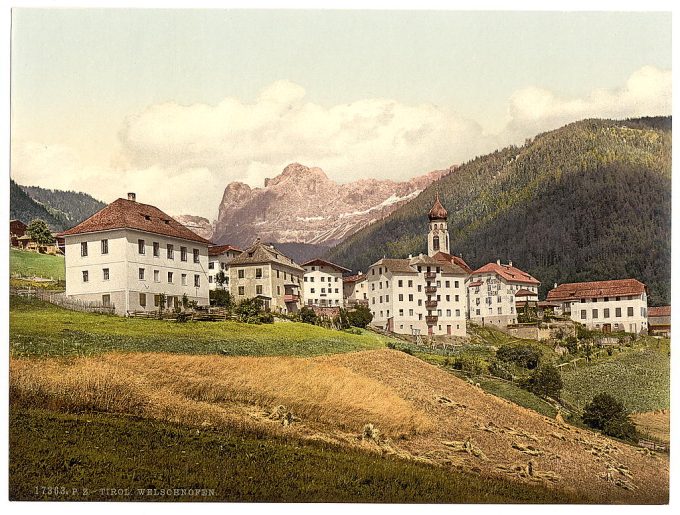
[[211, 265], [157, 300], [500, 311], [458, 312], [605, 313], [86, 276], [197, 280], [477, 312], [196, 256], [401, 312], [241, 274], [323, 290], [156, 276], [401, 297], [171, 251], [457, 297], [156, 249], [258, 273], [278, 275], [618, 312], [380, 299], [140, 247], [106, 300], [142, 299], [410, 297], [400, 283], [594, 313], [410, 283], [306, 278], [241, 290], [420, 302], [184, 279], [183, 253], [323, 279], [606, 299], [583, 314], [258, 289], [448, 312], [313, 290], [311, 278], [455, 284], [105, 272], [447, 284], [278, 290], [105, 246], [141, 274], [630, 311], [170, 277], [410, 312], [83, 249], [387, 298], [210, 279]]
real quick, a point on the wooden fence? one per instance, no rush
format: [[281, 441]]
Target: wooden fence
[[60, 299]]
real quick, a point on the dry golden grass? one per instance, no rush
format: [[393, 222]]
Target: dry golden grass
[[656, 424], [442, 419]]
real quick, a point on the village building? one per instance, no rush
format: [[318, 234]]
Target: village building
[[129, 255], [494, 291], [219, 257], [618, 305], [355, 290], [659, 321], [323, 285], [420, 295], [17, 229], [264, 272]]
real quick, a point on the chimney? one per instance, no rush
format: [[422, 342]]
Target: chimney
[[132, 197], [410, 256], [555, 285], [510, 263], [498, 261]]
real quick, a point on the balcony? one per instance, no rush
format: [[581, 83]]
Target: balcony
[[431, 275], [431, 304], [430, 290], [431, 319], [289, 297]]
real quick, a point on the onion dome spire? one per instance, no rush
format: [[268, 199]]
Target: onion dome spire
[[437, 212]]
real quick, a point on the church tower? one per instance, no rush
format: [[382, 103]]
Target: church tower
[[438, 237]]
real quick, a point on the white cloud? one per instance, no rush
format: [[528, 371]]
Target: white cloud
[[181, 157]]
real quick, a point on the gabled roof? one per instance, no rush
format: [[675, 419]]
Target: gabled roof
[[525, 293], [323, 262], [128, 214], [659, 311], [216, 250], [354, 278], [261, 253], [508, 273], [408, 266], [456, 260], [595, 289], [474, 284]]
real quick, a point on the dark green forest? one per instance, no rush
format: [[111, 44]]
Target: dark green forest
[[60, 209], [588, 201]]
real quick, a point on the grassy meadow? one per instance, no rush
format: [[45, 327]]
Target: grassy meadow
[[41, 329], [98, 451], [29, 264]]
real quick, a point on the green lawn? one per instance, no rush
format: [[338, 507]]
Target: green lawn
[[640, 378], [94, 452], [38, 328], [29, 264]]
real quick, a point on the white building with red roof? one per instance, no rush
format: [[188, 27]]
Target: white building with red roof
[[322, 284], [495, 289], [618, 305], [128, 254], [355, 289], [219, 257]]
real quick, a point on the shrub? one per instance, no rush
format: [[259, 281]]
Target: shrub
[[249, 310], [266, 317], [572, 344], [361, 316], [545, 381], [497, 369], [608, 415], [308, 316], [221, 298], [469, 364], [521, 355]]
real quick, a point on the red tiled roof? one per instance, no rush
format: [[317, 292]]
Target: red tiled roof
[[216, 250], [354, 278], [323, 262], [524, 293], [509, 273], [128, 214], [596, 289], [659, 311], [475, 283], [456, 260]]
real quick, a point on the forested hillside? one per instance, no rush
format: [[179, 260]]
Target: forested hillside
[[71, 207], [24, 208], [591, 200]]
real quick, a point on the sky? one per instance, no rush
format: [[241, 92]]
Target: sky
[[175, 104]]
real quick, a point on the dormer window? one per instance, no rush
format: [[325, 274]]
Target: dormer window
[[147, 218]]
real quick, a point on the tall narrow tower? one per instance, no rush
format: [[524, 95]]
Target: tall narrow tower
[[438, 237]]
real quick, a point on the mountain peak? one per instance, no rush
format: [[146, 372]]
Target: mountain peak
[[297, 172]]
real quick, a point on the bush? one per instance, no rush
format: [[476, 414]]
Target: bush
[[308, 316], [521, 355], [545, 381], [470, 365], [572, 344], [249, 310], [608, 415], [221, 298], [497, 369], [266, 317], [361, 316]]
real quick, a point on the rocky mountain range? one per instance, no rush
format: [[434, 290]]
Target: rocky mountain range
[[302, 205]]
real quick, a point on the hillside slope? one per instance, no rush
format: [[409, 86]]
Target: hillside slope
[[588, 201], [23, 207], [72, 207], [420, 411]]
